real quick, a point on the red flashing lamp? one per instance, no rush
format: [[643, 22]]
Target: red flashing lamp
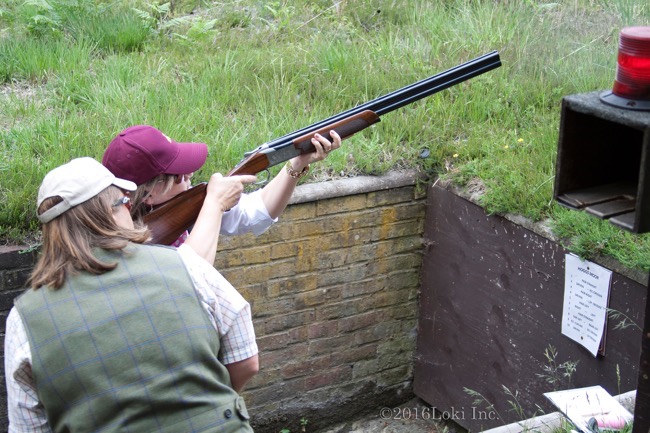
[[632, 84]]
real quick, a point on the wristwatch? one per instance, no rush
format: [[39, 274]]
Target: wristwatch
[[296, 174]]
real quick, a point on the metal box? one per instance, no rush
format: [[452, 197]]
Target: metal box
[[603, 161]]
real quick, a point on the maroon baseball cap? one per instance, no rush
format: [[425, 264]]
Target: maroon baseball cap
[[142, 152]]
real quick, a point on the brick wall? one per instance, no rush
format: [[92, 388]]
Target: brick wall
[[333, 286]]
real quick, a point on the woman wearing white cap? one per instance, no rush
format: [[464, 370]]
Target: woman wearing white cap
[[114, 335]]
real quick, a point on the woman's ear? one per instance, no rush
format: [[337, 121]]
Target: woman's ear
[[149, 200]]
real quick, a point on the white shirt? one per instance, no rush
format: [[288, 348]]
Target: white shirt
[[228, 311], [249, 215]]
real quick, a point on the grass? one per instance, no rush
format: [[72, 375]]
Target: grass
[[568, 427], [237, 73]]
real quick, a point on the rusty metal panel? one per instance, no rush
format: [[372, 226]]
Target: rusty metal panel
[[491, 303]]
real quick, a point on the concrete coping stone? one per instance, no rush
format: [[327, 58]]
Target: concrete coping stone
[[355, 185]]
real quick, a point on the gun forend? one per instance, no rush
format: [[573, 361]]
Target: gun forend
[[345, 128]]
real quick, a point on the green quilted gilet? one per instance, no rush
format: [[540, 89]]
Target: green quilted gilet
[[131, 350]]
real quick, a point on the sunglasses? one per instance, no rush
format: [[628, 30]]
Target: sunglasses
[[126, 201]]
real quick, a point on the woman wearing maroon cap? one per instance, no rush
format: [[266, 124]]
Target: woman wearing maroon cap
[[163, 168]]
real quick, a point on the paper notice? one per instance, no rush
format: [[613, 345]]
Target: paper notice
[[591, 405], [586, 295]]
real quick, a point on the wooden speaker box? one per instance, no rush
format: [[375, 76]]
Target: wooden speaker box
[[603, 161]]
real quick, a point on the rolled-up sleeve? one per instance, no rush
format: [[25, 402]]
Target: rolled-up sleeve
[[248, 216], [26, 413]]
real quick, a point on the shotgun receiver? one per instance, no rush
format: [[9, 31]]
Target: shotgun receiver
[[171, 218]]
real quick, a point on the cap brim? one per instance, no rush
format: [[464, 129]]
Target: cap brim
[[190, 158], [125, 184]]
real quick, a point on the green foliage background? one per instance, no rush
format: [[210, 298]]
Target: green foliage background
[[235, 74]]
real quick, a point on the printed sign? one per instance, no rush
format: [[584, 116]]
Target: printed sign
[[586, 296]]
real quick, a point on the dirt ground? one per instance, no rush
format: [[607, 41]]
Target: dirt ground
[[414, 416]]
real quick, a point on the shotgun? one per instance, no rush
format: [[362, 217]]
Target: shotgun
[[168, 221]]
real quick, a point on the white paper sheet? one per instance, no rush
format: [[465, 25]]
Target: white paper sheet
[[586, 296], [582, 404]]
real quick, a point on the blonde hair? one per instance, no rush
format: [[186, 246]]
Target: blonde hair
[[69, 239], [139, 208]]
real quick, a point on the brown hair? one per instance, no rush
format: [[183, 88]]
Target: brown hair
[[139, 208], [69, 239]]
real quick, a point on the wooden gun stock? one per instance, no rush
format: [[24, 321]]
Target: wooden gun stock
[[168, 221]]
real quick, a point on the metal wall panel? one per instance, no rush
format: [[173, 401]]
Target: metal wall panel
[[491, 303]]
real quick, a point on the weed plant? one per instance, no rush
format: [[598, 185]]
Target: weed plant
[[235, 74], [558, 376]]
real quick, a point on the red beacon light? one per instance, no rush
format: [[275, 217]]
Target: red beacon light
[[632, 84]]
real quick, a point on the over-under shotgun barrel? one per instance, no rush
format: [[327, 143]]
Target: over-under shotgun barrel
[[280, 150], [170, 219], [408, 94]]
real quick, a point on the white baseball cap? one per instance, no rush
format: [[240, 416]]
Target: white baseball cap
[[76, 182]]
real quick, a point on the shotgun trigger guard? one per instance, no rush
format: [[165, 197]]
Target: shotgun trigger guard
[[266, 180]]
